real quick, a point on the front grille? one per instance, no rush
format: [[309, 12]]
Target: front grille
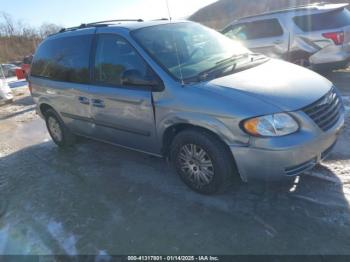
[[326, 111]]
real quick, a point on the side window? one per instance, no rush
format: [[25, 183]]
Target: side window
[[237, 32], [263, 29], [114, 56], [64, 59]]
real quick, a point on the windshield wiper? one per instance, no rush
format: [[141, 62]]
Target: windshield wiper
[[232, 58], [219, 67], [257, 56]]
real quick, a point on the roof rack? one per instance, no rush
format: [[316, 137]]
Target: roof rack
[[99, 23], [161, 19], [305, 5], [297, 7], [116, 20]]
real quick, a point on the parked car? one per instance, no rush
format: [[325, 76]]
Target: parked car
[[9, 70], [316, 36], [16, 63], [184, 91]]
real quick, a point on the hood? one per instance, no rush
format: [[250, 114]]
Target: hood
[[285, 85]]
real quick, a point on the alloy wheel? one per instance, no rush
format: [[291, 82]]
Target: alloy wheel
[[55, 129], [196, 163]]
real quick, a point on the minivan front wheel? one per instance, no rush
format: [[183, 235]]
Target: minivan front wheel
[[202, 161], [57, 129]]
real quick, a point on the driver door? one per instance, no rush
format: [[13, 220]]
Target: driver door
[[122, 114]]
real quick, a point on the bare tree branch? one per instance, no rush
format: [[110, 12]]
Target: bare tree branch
[[18, 39]]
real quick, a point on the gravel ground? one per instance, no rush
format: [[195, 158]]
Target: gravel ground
[[98, 199]]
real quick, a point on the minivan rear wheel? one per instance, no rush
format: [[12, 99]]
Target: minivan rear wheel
[[58, 131], [202, 161]]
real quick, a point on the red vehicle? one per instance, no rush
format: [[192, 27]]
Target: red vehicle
[[27, 61], [25, 68]]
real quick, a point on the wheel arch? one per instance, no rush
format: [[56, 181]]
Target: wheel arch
[[171, 131], [174, 129], [176, 122], [44, 107]]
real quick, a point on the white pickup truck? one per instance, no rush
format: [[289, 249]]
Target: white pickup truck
[[5, 91]]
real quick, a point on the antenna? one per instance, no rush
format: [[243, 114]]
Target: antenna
[[176, 49], [167, 6]]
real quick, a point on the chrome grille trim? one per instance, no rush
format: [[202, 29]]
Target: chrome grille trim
[[326, 111]]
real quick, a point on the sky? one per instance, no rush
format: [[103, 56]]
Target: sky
[[74, 12]]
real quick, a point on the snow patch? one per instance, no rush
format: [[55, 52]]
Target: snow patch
[[67, 241]]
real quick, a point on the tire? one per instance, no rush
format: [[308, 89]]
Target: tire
[[58, 131], [196, 172]]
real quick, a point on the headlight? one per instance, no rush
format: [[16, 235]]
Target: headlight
[[271, 125]]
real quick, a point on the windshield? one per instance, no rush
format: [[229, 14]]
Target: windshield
[[186, 49]]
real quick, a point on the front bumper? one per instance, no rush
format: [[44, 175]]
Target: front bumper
[[282, 158]]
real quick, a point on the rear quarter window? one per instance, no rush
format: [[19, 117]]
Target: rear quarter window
[[64, 59], [323, 21]]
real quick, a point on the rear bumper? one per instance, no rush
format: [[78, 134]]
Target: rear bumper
[[294, 155], [334, 57]]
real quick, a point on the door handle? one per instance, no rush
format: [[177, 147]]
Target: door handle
[[84, 100], [98, 103]]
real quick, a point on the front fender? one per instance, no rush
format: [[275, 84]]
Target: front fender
[[200, 120]]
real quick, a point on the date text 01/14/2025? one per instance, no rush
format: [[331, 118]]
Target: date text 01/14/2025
[[173, 258]]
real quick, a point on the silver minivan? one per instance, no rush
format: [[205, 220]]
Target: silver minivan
[[315, 35], [185, 92]]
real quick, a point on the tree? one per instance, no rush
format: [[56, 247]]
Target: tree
[[18, 39], [47, 29]]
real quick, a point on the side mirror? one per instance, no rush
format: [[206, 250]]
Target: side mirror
[[134, 78]]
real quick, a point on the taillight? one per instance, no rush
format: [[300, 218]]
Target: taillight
[[337, 37]]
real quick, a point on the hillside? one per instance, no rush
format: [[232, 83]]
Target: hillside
[[222, 12]]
